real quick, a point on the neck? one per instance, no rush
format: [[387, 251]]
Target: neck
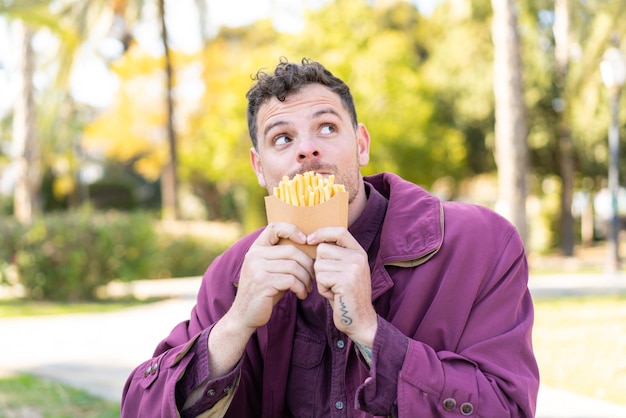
[[358, 203]]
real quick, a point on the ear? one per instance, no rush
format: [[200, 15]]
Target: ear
[[363, 144], [255, 160]]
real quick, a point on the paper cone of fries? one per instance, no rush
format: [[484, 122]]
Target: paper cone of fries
[[308, 215]]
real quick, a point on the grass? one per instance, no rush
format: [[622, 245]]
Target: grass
[[20, 308], [580, 344], [25, 396]]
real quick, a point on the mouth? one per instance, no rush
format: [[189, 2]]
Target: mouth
[[317, 169]]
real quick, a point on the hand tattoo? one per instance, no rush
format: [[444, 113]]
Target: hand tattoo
[[345, 319], [366, 352]]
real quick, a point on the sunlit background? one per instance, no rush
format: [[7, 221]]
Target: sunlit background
[[421, 74], [124, 154]]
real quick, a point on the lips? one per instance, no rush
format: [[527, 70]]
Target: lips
[[317, 169]]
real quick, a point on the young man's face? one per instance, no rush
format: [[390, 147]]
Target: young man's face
[[309, 131]]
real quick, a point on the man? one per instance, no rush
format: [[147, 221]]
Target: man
[[419, 309]]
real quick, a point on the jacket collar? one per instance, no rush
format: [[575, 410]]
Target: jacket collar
[[413, 228]]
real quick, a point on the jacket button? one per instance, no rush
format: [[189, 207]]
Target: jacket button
[[210, 392], [449, 404], [339, 405], [467, 408]]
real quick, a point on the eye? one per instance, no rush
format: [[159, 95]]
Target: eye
[[281, 140], [327, 129]]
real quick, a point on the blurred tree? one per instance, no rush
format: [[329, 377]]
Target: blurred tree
[[458, 34], [593, 25], [81, 18], [215, 146], [28, 14], [561, 29], [423, 85], [381, 51], [129, 130], [567, 122], [35, 137], [511, 129], [202, 15], [169, 178], [420, 118], [27, 149], [169, 174]]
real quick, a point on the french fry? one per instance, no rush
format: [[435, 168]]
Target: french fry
[[293, 196], [307, 189], [326, 190]]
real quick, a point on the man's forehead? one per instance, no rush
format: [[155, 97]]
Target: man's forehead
[[311, 99]]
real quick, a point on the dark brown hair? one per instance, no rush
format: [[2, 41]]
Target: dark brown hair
[[289, 78]]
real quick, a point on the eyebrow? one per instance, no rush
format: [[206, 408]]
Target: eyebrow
[[325, 111], [273, 125]]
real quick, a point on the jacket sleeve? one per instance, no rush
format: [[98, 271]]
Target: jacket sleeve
[[487, 369], [160, 386]]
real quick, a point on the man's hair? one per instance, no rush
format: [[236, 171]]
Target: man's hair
[[289, 78]]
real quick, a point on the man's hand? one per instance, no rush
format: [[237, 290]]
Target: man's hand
[[268, 271], [343, 277]]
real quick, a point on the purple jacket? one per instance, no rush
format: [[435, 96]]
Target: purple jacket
[[450, 279]]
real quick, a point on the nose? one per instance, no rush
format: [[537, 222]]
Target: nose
[[308, 148]]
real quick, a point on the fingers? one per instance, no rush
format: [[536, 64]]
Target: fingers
[[284, 259], [276, 231], [288, 282], [269, 270], [333, 235], [268, 263], [341, 271], [343, 277]]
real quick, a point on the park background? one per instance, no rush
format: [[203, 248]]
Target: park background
[[124, 151]]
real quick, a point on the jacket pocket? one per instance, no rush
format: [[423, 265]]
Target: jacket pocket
[[305, 375], [308, 351]]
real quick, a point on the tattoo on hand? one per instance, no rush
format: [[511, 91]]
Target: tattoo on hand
[[366, 351], [345, 319]]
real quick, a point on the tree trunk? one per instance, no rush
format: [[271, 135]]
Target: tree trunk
[[566, 149], [169, 180], [203, 11], [511, 153], [27, 152]]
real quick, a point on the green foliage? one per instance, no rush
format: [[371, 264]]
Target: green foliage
[[184, 256], [422, 85], [67, 256], [580, 100], [381, 54]]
